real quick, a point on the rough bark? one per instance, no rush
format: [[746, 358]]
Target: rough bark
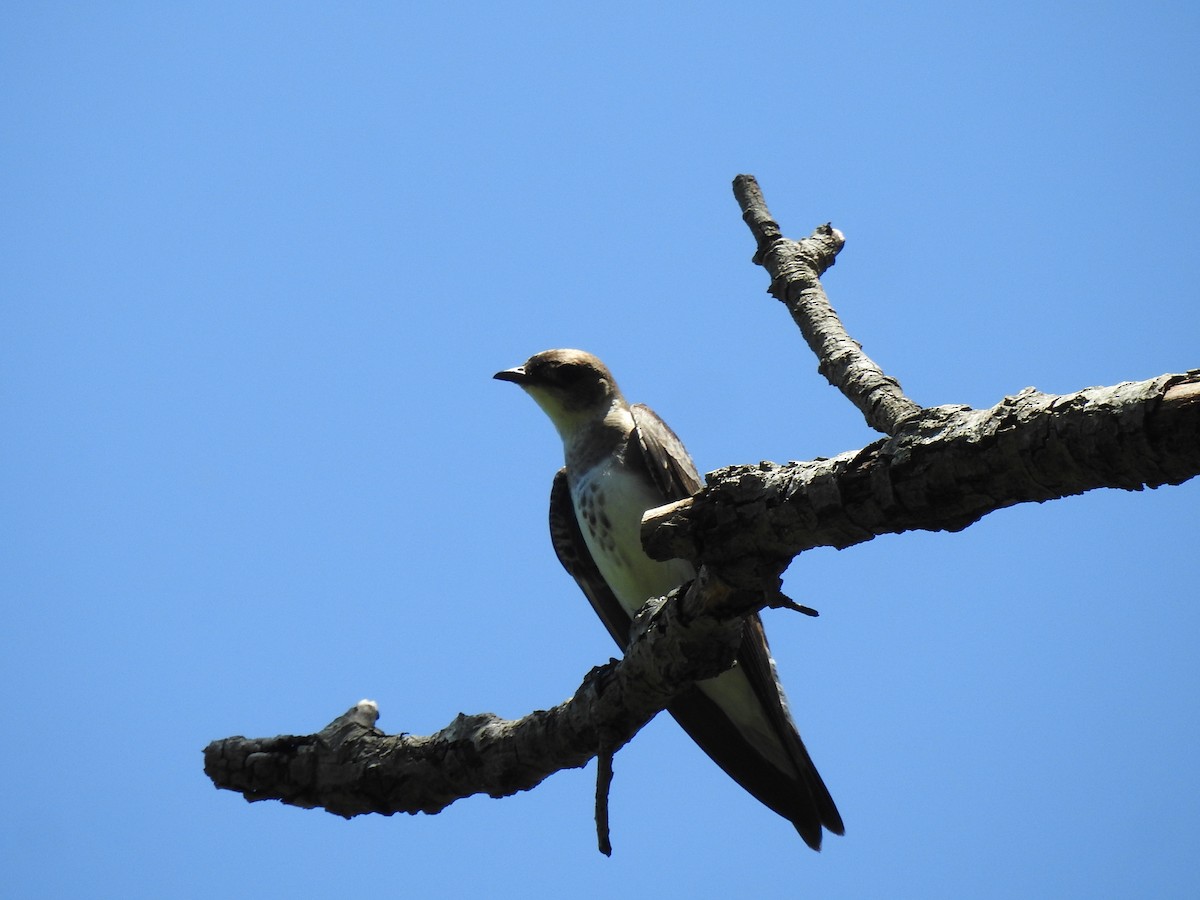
[[943, 469], [351, 768], [938, 469], [796, 268]]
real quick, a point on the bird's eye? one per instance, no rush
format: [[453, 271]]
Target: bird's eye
[[569, 373]]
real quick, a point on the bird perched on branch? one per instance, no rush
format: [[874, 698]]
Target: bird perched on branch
[[622, 460]]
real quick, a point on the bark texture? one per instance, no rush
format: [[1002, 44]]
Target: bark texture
[[943, 469], [350, 767], [796, 268]]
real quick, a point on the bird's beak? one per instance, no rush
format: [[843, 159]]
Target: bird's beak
[[516, 376]]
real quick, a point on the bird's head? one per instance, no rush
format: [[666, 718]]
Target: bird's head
[[572, 387]]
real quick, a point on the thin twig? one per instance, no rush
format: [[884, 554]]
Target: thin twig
[[796, 268], [604, 777]]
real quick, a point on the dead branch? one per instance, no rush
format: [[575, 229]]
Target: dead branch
[[796, 268], [351, 768], [941, 471]]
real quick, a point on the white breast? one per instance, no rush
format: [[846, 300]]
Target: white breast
[[609, 503]]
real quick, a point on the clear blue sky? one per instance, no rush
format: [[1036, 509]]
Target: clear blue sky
[[259, 264]]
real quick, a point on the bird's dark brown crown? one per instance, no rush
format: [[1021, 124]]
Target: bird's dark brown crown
[[578, 378]]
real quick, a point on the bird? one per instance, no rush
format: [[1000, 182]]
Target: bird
[[621, 459]]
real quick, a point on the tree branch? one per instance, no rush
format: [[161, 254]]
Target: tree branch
[[796, 268], [351, 768], [941, 471], [941, 468]]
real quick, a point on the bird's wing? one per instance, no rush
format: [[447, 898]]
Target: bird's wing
[[575, 557], [665, 456], [674, 473], [801, 795], [754, 656]]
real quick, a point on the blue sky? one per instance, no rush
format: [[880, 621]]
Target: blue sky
[[259, 264]]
